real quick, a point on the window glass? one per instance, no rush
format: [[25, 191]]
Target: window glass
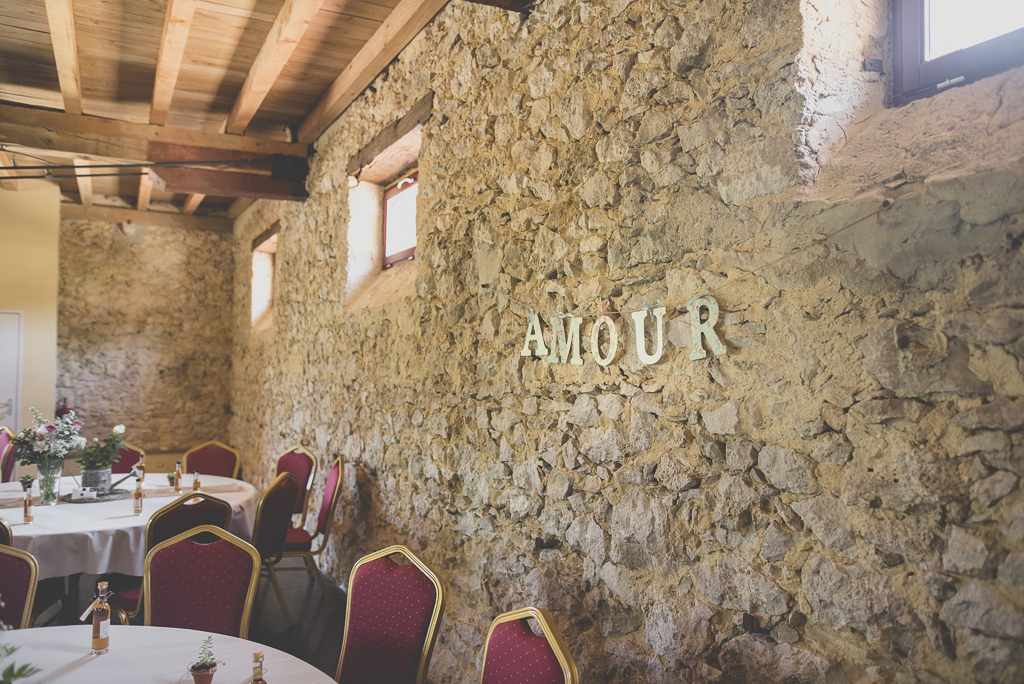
[[263, 265], [400, 217], [952, 25]]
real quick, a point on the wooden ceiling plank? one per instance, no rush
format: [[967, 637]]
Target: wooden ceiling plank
[[6, 177], [401, 26], [42, 122], [226, 184], [61, 17], [77, 212], [177, 22], [238, 206], [84, 181], [192, 203], [289, 27], [145, 192]]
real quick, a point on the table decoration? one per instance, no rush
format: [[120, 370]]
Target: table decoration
[[45, 445], [96, 458], [202, 670]]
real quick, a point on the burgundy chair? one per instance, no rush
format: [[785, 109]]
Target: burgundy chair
[[5, 534], [273, 520], [182, 514], [212, 458], [513, 653], [392, 618], [202, 586], [302, 464], [300, 542], [6, 454], [19, 572], [129, 456]]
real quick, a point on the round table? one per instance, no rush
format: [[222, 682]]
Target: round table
[[147, 655], [98, 538]]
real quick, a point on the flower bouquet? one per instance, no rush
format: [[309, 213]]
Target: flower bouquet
[[96, 458], [45, 445]]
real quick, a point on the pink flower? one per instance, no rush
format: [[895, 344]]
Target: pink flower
[[78, 423], [41, 431], [51, 428]]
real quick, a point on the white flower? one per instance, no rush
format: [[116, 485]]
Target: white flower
[[119, 429]]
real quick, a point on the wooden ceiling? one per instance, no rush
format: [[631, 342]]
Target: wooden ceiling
[[91, 82]]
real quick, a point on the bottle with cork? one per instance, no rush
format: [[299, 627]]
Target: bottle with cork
[[257, 668], [177, 477], [28, 514], [100, 610], [137, 498]]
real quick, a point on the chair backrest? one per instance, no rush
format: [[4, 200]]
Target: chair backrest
[[6, 536], [212, 458], [129, 456], [513, 653], [302, 464], [332, 492], [182, 514], [391, 621], [206, 587], [274, 516], [6, 454], [19, 572]]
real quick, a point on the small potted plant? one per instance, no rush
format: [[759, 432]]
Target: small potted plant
[[202, 670], [96, 459]]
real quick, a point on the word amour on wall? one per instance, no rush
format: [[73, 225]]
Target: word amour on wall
[[565, 346]]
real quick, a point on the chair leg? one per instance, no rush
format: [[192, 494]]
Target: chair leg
[[314, 570], [280, 594]]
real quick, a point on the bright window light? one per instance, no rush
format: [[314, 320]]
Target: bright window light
[[263, 264], [400, 217], [952, 25]]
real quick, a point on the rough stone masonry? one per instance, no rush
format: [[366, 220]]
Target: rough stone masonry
[[837, 499]]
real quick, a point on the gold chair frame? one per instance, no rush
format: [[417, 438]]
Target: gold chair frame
[[309, 481], [267, 562], [33, 581], [435, 618], [551, 633], [180, 501], [309, 557], [243, 630], [8, 451], [6, 533], [212, 442]]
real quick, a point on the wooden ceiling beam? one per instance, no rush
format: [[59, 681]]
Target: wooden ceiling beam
[[226, 184], [401, 26], [77, 212], [238, 206], [291, 23], [82, 176], [192, 203], [177, 23], [145, 192], [60, 14], [42, 123], [521, 6], [7, 180]]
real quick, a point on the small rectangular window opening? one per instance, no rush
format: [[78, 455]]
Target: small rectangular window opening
[[942, 43], [264, 263], [400, 220]]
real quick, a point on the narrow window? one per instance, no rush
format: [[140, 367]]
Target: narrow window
[[264, 258], [942, 43], [400, 220]]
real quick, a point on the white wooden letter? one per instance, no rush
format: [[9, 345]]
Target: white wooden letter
[[534, 334], [641, 343], [562, 345], [595, 340], [707, 329]]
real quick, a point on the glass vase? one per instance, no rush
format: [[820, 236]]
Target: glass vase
[[49, 482]]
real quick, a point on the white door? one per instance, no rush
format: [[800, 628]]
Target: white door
[[10, 368]]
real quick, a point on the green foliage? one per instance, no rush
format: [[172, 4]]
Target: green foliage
[[12, 672], [206, 660], [99, 455]]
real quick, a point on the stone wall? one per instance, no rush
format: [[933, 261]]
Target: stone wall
[[144, 331], [846, 475]]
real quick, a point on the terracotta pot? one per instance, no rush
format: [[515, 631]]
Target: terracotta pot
[[203, 676]]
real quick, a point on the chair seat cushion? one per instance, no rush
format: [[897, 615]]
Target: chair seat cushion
[[298, 540], [126, 599]]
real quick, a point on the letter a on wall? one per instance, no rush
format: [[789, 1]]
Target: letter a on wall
[[534, 334], [707, 328]]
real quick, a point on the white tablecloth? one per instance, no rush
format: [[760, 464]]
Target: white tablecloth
[[97, 538], [147, 655]]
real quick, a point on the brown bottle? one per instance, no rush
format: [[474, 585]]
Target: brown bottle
[[177, 477], [101, 621], [195, 482], [140, 468], [257, 668], [29, 512], [137, 498]]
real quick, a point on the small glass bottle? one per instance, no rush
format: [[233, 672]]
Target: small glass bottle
[[101, 621], [195, 483], [140, 468], [137, 498], [257, 668], [29, 512], [177, 477]]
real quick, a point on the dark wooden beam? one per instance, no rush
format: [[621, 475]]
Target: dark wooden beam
[[521, 6], [418, 115], [226, 184], [77, 212]]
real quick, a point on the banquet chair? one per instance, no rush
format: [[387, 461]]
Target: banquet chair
[[5, 533], [514, 653], [302, 464], [212, 458], [273, 520], [19, 572], [129, 456], [182, 514], [208, 587], [6, 454], [300, 543], [392, 618]]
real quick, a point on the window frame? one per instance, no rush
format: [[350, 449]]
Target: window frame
[[914, 78], [259, 245], [391, 191]]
